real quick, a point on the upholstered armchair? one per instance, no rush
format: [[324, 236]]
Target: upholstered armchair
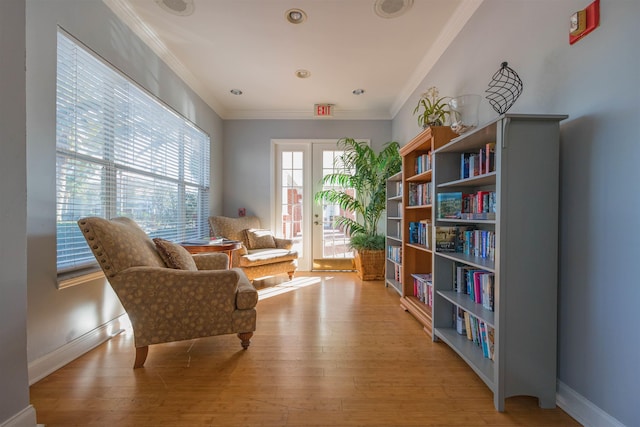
[[262, 254], [169, 294]]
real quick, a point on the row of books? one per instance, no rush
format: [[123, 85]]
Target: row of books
[[423, 163], [394, 253], [420, 194], [478, 284], [423, 288], [420, 232], [479, 243], [466, 239], [458, 205], [478, 163], [476, 330]]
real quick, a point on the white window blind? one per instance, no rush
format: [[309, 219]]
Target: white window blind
[[121, 152]]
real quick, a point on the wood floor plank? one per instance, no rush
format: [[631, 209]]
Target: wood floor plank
[[329, 350]]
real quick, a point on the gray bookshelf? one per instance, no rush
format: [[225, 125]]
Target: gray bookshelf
[[393, 267], [525, 265]]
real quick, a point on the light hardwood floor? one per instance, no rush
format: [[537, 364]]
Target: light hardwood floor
[[329, 350]]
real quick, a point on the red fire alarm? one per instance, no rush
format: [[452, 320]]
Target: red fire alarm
[[323, 110], [584, 21]]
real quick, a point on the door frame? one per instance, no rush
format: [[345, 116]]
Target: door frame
[[305, 263]]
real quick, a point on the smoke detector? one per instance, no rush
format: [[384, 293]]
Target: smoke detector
[[391, 8], [177, 7]]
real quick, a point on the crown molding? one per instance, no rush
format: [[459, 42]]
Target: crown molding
[[124, 11]]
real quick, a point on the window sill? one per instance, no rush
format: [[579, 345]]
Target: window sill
[[67, 282]]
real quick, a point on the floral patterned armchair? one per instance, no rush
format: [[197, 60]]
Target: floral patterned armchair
[[169, 294], [261, 254]]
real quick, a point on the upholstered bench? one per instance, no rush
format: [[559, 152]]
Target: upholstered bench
[[262, 254]]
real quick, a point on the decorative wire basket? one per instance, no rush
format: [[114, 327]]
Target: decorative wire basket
[[505, 87]]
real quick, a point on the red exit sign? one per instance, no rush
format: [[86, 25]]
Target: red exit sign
[[323, 110]]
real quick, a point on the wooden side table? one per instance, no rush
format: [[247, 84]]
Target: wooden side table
[[227, 246]]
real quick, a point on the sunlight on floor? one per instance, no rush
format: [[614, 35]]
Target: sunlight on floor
[[284, 287]]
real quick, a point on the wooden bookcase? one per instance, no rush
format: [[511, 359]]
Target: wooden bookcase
[[393, 267], [522, 355], [418, 258]]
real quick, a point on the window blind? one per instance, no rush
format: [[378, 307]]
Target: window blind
[[121, 152]]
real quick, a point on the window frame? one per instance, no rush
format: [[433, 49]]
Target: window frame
[[177, 158]]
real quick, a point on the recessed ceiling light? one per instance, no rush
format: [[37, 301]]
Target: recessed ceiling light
[[177, 7], [296, 16], [358, 91], [303, 74], [236, 91], [391, 8]]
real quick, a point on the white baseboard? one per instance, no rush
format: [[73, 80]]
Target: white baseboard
[[583, 410], [49, 363], [24, 418]]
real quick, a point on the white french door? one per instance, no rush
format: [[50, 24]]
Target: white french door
[[330, 244], [299, 166]]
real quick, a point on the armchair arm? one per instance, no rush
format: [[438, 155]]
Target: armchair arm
[[211, 261], [166, 304], [247, 295], [146, 284], [283, 243]]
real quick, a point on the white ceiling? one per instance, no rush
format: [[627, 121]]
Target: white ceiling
[[249, 45]]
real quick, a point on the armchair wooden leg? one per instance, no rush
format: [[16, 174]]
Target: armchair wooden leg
[[141, 356], [290, 273], [245, 337]]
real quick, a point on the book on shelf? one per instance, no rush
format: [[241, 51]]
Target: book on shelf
[[445, 238], [467, 324], [449, 205], [491, 341], [490, 157], [461, 327]]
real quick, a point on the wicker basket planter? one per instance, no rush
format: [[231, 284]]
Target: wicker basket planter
[[370, 264]]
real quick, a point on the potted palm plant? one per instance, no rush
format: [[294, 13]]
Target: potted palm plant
[[366, 173]]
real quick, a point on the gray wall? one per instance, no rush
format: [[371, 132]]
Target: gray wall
[[597, 82], [247, 154], [57, 317], [14, 392]]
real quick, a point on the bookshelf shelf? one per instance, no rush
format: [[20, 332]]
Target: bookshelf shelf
[[393, 241], [483, 367], [417, 175], [464, 302], [514, 350]]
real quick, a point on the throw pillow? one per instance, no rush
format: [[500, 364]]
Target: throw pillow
[[260, 239], [174, 255]]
